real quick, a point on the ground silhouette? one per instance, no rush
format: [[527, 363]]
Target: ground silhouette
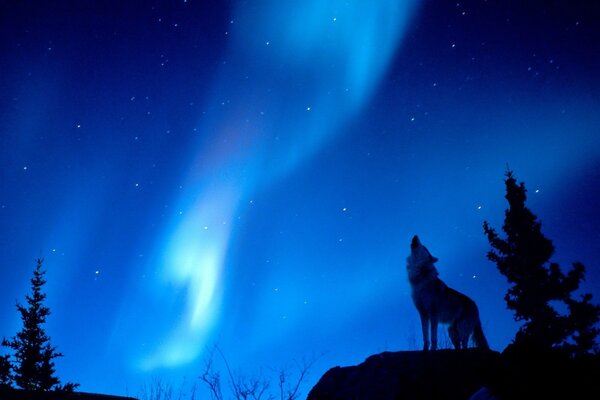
[[459, 374]]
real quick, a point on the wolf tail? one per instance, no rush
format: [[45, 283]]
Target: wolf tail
[[478, 336]]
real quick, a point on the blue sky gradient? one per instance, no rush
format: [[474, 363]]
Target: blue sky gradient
[[251, 174]]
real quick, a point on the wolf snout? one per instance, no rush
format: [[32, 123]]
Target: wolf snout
[[415, 242]]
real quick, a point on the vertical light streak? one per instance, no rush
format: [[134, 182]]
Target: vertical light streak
[[310, 66]]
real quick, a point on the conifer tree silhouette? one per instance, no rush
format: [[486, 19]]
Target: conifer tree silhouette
[[5, 372], [537, 285], [33, 365]]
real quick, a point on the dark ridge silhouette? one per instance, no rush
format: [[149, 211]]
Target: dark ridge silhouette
[[18, 394], [442, 374], [459, 374]]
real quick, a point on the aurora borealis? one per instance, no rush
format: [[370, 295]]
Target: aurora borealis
[[251, 173]]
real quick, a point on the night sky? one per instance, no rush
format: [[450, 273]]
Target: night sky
[[250, 173]]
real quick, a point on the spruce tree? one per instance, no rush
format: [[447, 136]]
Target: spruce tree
[[5, 372], [537, 285], [33, 365]]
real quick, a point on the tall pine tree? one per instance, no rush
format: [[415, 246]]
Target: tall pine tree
[[33, 365], [538, 286]]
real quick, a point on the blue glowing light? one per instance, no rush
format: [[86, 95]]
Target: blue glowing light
[[332, 55]]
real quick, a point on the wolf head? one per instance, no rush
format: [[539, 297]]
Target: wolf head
[[419, 253], [420, 264]]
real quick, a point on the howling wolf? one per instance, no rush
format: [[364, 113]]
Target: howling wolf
[[437, 303]]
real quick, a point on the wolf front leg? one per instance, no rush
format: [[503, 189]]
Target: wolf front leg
[[433, 321], [425, 330]]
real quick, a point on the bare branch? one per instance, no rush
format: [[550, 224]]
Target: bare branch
[[291, 391], [211, 378], [254, 387]]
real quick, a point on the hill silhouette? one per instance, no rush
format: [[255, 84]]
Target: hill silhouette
[[459, 374], [18, 394], [442, 374]]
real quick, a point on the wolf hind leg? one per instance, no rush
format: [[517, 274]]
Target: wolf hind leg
[[465, 341], [478, 336], [454, 335], [473, 329]]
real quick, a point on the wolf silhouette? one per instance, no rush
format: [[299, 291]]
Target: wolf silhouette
[[437, 303]]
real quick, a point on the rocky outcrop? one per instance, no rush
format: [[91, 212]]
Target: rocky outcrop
[[410, 375], [515, 374]]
